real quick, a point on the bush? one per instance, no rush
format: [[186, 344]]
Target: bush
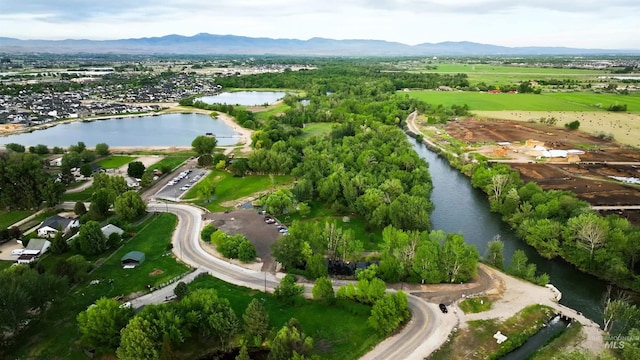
[[234, 247], [574, 125], [604, 136], [617, 107], [206, 232]]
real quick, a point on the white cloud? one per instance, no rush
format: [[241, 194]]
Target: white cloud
[[586, 23]]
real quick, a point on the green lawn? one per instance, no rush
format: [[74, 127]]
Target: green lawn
[[316, 129], [338, 333], [264, 115], [84, 195], [4, 264], [229, 187], [8, 218], [475, 305], [171, 161], [53, 336], [115, 161], [528, 102]]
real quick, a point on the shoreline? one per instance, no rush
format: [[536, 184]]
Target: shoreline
[[244, 140]]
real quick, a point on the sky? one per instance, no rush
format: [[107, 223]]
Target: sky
[[602, 24]]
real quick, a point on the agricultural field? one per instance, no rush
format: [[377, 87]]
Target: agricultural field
[[492, 74], [528, 102]]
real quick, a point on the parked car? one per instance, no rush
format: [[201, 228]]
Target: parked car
[[443, 308]]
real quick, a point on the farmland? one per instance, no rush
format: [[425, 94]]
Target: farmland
[[528, 102]]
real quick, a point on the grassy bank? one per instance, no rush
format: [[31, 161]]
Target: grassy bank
[[477, 342], [475, 305], [339, 332], [8, 218], [170, 161], [563, 343]]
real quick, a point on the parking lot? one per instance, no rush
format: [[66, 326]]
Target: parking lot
[[180, 184]]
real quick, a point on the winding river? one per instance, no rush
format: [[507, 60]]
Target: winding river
[[459, 208]]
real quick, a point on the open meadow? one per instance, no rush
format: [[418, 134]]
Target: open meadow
[[566, 101]]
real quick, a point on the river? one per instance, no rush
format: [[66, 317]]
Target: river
[[161, 130], [459, 208]]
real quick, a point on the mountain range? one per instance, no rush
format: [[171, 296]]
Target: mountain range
[[210, 44]]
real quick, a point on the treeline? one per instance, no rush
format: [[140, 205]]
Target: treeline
[[557, 223], [243, 117], [24, 184]]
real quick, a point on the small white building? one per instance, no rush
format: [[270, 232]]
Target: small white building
[[56, 162]]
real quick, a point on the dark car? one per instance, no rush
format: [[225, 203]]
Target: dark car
[[443, 308]]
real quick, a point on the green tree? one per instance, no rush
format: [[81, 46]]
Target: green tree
[[79, 147], [256, 322], [290, 342], [59, 244], [288, 291], [15, 147], [79, 208], [101, 201], [71, 159], [90, 239], [206, 189], [316, 266], [146, 180], [589, 231], [137, 342], [205, 160], [52, 191], [243, 354], [389, 312], [130, 205], [206, 232], [75, 268], [85, 170], [102, 149], [323, 290], [495, 252], [181, 290], [279, 201], [204, 144], [246, 251], [290, 251], [136, 169], [100, 324]]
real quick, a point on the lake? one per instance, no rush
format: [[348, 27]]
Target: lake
[[161, 130], [246, 98]]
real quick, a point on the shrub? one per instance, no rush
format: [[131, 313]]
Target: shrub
[[206, 232], [574, 125], [617, 107]]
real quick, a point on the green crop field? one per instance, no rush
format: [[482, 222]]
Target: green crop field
[[113, 162], [528, 102]]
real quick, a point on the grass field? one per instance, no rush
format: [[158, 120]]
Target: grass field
[[264, 115], [115, 161], [52, 337], [230, 188], [475, 305], [5, 264], [338, 332], [171, 161], [316, 129], [528, 102], [8, 218], [498, 74], [84, 195]]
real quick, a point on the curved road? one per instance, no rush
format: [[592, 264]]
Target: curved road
[[424, 333]]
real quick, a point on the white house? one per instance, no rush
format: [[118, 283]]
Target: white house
[[52, 225], [56, 162]]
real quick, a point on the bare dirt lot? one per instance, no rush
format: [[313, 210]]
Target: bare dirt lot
[[589, 175], [250, 224]]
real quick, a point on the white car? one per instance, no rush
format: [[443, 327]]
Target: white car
[[171, 183], [184, 188]]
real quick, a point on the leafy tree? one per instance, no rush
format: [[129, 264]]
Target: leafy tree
[[136, 169], [206, 232], [39, 149], [90, 239], [205, 160], [290, 251], [256, 322], [323, 290], [239, 167], [100, 325], [589, 231], [15, 147], [79, 147], [288, 290], [574, 125], [316, 266], [204, 144], [495, 252], [279, 201], [181, 290], [243, 354], [71, 160], [389, 312], [101, 201], [146, 180], [290, 342], [113, 240], [59, 244], [85, 170], [52, 192], [79, 208], [24, 183], [137, 341], [102, 149], [246, 251], [206, 189], [215, 315], [130, 205]]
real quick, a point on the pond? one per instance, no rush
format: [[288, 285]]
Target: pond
[[246, 98], [161, 130]]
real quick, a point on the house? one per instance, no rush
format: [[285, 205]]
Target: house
[[56, 162], [106, 230], [56, 223], [37, 247], [132, 259], [26, 258]]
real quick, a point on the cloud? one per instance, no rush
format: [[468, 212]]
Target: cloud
[[491, 6]]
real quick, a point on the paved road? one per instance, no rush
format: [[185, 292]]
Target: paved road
[[423, 334], [616, 207]]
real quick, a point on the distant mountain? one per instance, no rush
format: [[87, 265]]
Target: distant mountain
[[242, 45]]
